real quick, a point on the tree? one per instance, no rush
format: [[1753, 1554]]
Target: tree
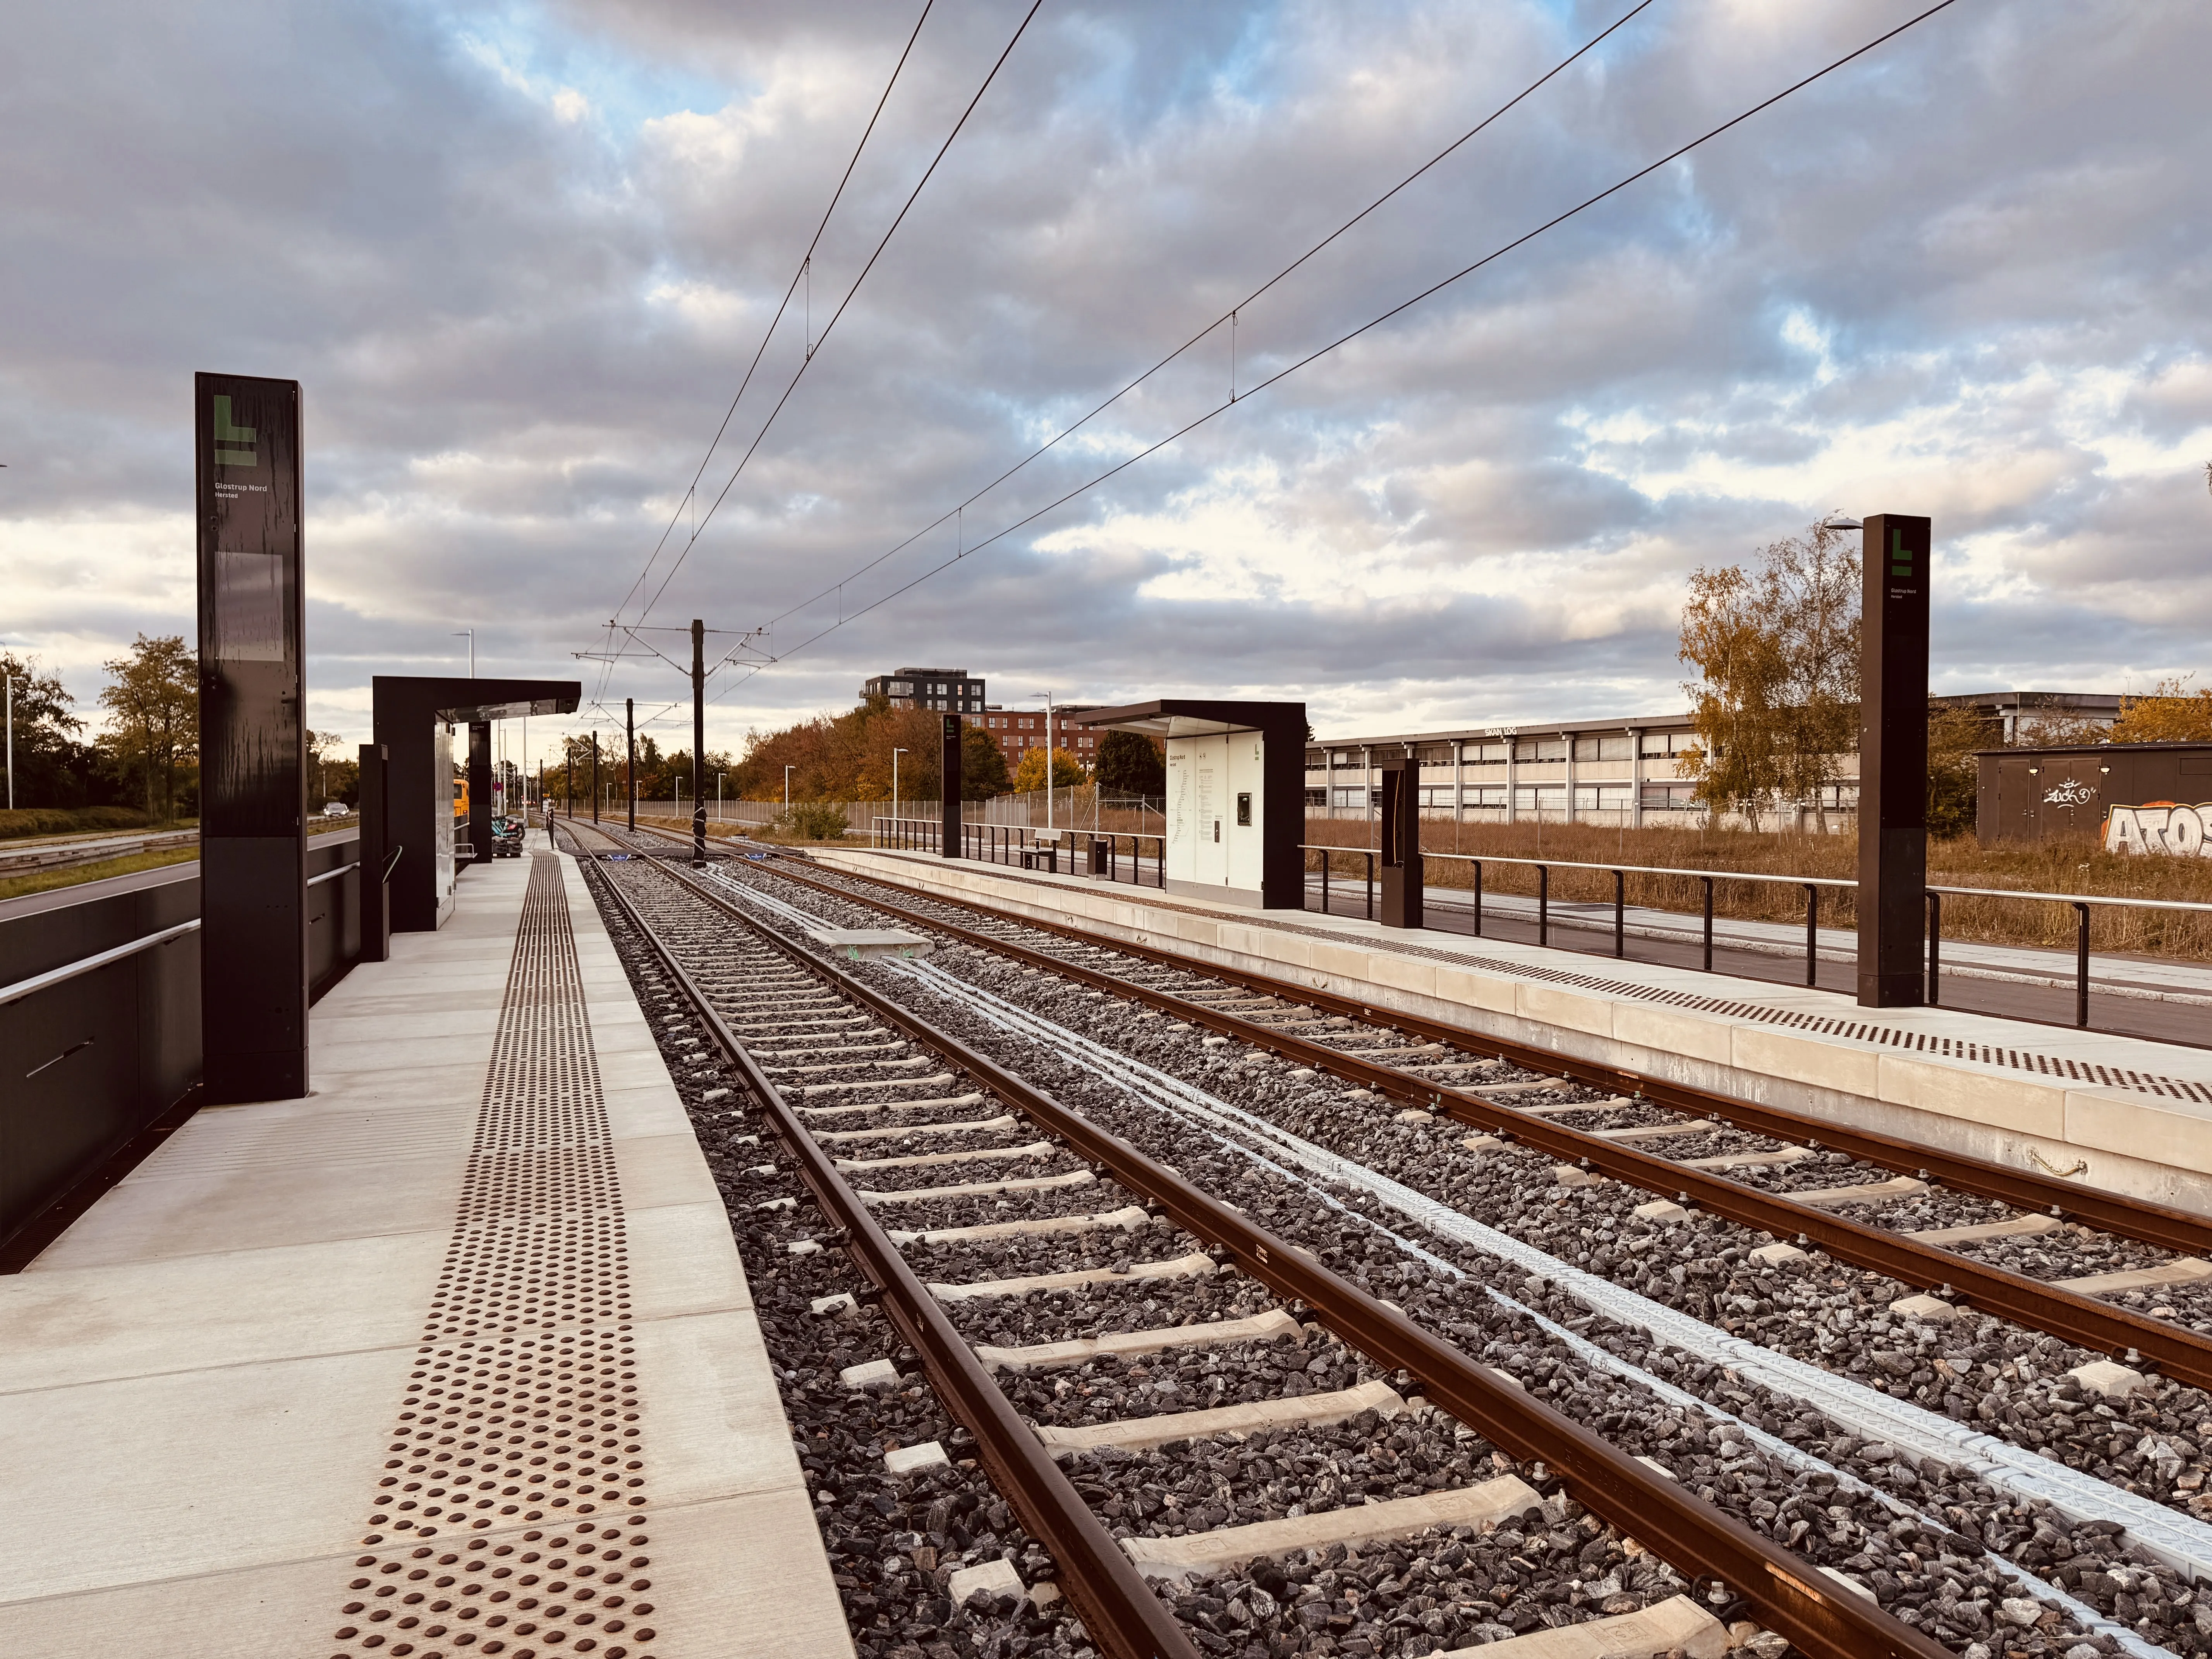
[[983, 766], [334, 772], [1067, 772], [1776, 648], [153, 704], [1954, 775], [1130, 764], [45, 751], [2171, 714]]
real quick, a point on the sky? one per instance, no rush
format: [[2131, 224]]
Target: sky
[[520, 256]]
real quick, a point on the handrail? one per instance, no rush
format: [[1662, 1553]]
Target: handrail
[[393, 863], [37, 982], [332, 875], [2071, 898]]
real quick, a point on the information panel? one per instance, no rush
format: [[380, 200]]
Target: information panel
[[253, 803]]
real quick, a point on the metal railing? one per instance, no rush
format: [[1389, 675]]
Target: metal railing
[[2081, 903], [1620, 872], [1028, 848], [92, 964]]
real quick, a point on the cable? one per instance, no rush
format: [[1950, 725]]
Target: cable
[[828, 327], [1428, 292], [1229, 315], [805, 260]]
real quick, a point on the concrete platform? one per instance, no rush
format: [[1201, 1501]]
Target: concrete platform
[[2122, 1114], [487, 1249]]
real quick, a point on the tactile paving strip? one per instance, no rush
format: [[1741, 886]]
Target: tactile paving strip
[[509, 1513]]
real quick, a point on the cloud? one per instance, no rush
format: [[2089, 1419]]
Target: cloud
[[521, 256]]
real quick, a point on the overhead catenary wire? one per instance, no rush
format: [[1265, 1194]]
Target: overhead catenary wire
[[1229, 316], [802, 274], [1340, 341], [829, 327]]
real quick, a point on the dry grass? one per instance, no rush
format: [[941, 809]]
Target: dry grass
[[2080, 866]]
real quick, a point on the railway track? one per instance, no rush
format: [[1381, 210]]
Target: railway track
[[983, 1108]]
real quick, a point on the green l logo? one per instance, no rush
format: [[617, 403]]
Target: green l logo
[[226, 433]]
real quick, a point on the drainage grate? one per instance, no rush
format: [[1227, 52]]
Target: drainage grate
[[510, 1508]]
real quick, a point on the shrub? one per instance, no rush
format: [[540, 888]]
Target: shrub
[[817, 820], [68, 820]]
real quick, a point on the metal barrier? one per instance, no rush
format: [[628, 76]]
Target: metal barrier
[[99, 1022], [2081, 903], [1015, 846]]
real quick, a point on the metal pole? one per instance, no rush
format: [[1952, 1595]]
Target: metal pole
[[698, 742], [1543, 900], [2081, 965], [1935, 948], [1709, 924], [1620, 914], [595, 774], [11, 742], [1812, 934], [630, 768], [895, 753], [1478, 898]]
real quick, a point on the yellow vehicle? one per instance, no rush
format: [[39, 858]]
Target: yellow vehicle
[[460, 800]]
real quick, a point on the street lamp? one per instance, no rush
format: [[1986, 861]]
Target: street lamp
[[787, 790], [679, 797], [1048, 757], [895, 753], [471, 634], [719, 776]]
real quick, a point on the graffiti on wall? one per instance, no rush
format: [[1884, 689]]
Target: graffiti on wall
[[2160, 826]]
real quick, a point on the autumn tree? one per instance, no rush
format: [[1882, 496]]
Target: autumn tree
[[1130, 764], [153, 706], [1067, 771], [1776, 648], [2171, 714]]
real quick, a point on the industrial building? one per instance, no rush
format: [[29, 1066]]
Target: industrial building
[[1611, 772]]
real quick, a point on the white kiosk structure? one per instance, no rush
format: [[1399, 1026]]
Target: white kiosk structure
[[1235, 806]]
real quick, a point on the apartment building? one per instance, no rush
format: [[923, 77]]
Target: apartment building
[[1612, 772], [952, 689], [1020, 729]]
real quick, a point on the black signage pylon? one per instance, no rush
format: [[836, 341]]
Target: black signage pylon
[[948, 773], [629, 768], [1893, 761], [253, 770], [1402, 871]]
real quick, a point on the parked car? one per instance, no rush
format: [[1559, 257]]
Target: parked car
[[507, 838]]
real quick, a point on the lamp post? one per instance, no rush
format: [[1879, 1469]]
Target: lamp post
[[471, 634], [719, 776], [1047, 759], [786, 791], [895, 753]]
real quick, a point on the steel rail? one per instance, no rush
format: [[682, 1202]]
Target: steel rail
[[1824, 1621], [2182, 1353], [1118, 1609], [2140, 1220]]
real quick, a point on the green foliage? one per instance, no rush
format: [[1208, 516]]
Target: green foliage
[[1953, 775], [983, 766], [64, 821], [1130, 764], [815, 820]]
